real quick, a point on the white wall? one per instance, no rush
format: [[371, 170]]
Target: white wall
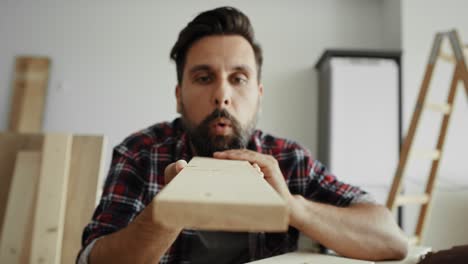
[[111, 72], [421, 19]]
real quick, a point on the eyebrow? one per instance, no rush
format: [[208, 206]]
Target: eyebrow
[[242, 67], [206, 67], [201, 67]]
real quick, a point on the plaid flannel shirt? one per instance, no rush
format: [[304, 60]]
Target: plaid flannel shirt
[[137, 175]]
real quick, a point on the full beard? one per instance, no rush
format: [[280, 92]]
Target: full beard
[[205, 143]]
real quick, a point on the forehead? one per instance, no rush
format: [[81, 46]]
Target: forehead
[[220, 51]]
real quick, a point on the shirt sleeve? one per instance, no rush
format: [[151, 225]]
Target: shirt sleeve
[[322, 186], [122, 199]]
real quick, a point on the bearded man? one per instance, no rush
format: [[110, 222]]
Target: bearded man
[[218, 95]]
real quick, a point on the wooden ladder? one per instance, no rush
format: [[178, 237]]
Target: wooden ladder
[[460, 73]]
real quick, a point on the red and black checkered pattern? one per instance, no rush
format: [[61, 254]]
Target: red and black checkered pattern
[[136, 175]]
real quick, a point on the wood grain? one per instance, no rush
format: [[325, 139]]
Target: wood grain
[[10, 144], [228, 195], [29, 93], [50, 209], [15, 242], [309, 258], [85, 169]]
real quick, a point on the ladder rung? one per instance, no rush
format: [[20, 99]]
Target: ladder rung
[[434, 155], [451, 58], [447, 57], [444, 108], [412, 199], [414, 240], [458, 56]]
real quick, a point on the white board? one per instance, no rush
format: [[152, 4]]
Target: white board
[[364, 140]]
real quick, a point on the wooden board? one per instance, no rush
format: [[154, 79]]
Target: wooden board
[[50, 208], [29, 92], [85, 168], [15, 243], [414, 253], [213, 194], [309, 258], [10, 144]]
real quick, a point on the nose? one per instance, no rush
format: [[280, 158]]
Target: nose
[[222, 95]]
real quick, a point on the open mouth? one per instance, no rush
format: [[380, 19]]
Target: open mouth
[[223, 122], [222, 126]]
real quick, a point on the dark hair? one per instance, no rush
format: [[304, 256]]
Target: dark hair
[[219, 21]]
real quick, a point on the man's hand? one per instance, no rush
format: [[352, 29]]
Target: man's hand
[[146, 218], [173, 169], [363, 231], [267, 164], [144, 240]]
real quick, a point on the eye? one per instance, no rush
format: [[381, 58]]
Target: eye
[[203, 79], [239, 79]]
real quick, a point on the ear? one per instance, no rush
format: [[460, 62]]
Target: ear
[[260, 89], [178, 94]]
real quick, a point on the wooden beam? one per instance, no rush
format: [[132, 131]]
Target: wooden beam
[[423, 213], [425, 154], [10, 145], [301, 257], [447, 57], [412, 199], [309, 258], [414, 240], [450, 58], [85, 168], [215, 194], [15, 242], [29, 91], [50, 208], [443, 108], [408, 141]]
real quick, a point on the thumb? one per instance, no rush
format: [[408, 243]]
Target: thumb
[[179, 165], [173, 169]]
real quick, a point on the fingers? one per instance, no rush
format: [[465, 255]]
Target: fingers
[[260, 173], [179, 165], [266, 165], [255, 165], [241, 154], [173, 169]]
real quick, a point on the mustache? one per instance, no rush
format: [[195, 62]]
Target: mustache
[[220, 113], [205, 143]]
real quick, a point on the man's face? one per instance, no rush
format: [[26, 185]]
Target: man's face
[[219, 96]]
